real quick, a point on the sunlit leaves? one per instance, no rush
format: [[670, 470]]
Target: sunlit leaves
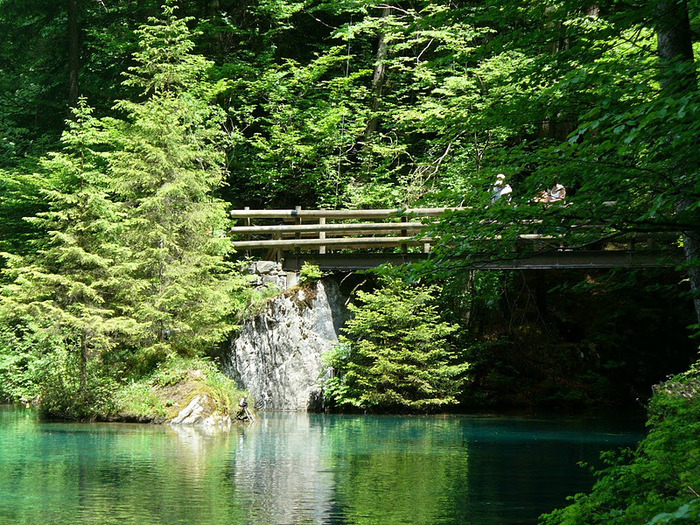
[[169, 164]]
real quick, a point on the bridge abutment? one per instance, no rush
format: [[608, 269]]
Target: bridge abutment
[[272, 273]]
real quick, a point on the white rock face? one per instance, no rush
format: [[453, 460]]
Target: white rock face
[[277, 356]]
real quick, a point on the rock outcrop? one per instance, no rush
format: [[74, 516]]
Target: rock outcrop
[[277, 355], [201, 412]]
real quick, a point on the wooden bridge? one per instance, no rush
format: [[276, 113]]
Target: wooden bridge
[[362, 239]]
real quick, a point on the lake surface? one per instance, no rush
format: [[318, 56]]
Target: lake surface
[[300, 468]]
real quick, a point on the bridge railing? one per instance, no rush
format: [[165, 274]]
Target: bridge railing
[[368, 232], [299, 229]]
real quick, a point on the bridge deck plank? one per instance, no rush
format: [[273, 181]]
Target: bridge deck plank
[[553, 260]]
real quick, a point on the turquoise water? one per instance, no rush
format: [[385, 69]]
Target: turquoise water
[[299, 468]]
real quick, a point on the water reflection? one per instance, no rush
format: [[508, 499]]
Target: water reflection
[[297, 468], [400, 470], [281, 471], [524, 466], [110, 473]]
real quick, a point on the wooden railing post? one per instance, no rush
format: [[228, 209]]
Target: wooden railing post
[[297, 221], [322, 234], [247, 222], [404, 233], [278, 253]]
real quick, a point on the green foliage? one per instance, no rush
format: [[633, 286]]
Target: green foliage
[[579, 103], [169, 163], [342, 103], [687, 513], [21, 358], [20, 197], [71, 389], [309, 273], [141, 402], [32, 83], [658, 482], [67, 289], [172, 385], [546, 339], [131, 266], [396, 354]]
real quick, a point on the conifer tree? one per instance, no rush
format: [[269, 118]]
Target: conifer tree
[[396, 354], [168, 165], [65, 290]]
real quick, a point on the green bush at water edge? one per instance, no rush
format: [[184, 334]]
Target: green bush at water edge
[[659, 482], [397, 354], [44, 372]]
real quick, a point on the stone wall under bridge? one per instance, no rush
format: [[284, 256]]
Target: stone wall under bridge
[[271, 273]]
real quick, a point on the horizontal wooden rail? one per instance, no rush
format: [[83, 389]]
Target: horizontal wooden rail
[[339, 214], [358, 242], [358, 228], [392, 228], [343, 242], [371, 232]]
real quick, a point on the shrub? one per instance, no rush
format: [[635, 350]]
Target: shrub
[[18, 361], [309, 273], [659, 482], [68, 392], [172, 386]]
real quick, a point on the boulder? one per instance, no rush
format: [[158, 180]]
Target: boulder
[[201, 412]]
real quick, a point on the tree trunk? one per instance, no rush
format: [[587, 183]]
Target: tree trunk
[[73, 52], [673, 34], [593, 10], [691, 247], [674, 41], [83, 363], [379, 78]]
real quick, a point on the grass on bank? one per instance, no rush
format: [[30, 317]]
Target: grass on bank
[[53, 383], [171, 387]]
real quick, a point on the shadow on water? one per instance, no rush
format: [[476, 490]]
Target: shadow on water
[[300, 468]]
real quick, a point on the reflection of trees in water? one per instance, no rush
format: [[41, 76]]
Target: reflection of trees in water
[[294, 468], [521, 467], [281, 475], [398, 470], [112, 473], [199, 448]]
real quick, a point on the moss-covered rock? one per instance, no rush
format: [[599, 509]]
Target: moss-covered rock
[[182, 391]]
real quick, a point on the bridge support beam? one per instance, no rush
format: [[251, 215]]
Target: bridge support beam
[[553, 260]]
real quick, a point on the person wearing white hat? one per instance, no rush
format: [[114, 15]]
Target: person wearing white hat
[[501, 188], [557, 193]]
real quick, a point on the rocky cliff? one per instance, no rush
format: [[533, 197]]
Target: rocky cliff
[[277, 355]]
